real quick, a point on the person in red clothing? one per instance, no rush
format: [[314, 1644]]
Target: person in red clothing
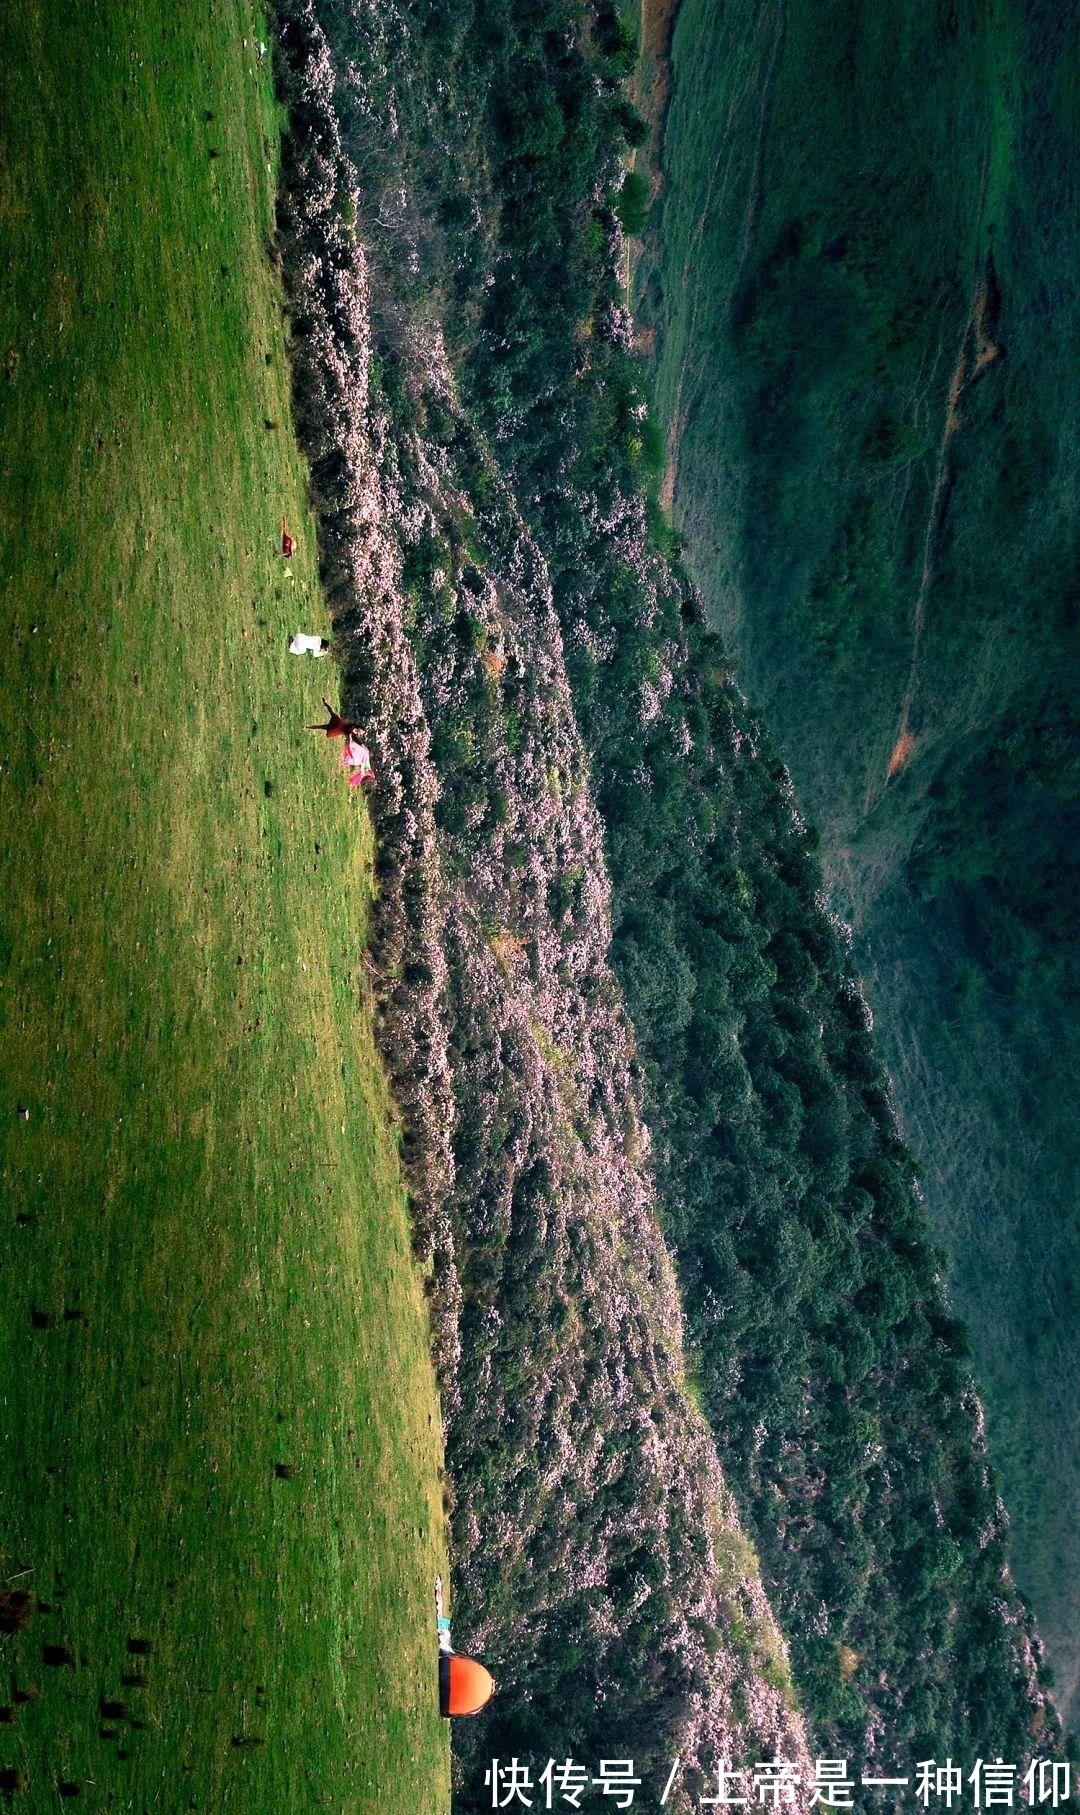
[[336, 726], [288, 543]]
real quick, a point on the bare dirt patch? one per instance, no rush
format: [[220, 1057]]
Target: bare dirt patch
[[902, 751], [978, 351], [653, 85]]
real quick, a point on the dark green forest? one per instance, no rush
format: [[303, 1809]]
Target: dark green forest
[[834, 1375]]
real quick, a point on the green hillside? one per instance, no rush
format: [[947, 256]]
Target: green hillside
[[221, 1439], [862, 276]]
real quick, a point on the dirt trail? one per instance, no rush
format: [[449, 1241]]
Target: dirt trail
[[657, 30], [978, 350], [652, 92]]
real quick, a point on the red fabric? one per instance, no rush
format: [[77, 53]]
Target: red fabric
[[470, 1686]]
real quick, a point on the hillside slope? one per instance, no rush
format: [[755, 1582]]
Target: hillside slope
[[862, 277], [598, 1558], [527, 612], [219, 1485]]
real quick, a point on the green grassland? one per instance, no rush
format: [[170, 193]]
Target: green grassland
[[862, 273], [220, 1432]]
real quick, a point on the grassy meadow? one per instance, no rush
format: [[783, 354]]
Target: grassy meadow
[[220, 1454]]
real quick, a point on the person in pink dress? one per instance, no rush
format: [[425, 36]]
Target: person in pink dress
[[356, 757]]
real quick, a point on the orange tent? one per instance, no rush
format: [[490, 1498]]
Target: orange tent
[[464, 1685]]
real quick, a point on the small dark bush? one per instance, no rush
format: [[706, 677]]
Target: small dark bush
[[632, 203]]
